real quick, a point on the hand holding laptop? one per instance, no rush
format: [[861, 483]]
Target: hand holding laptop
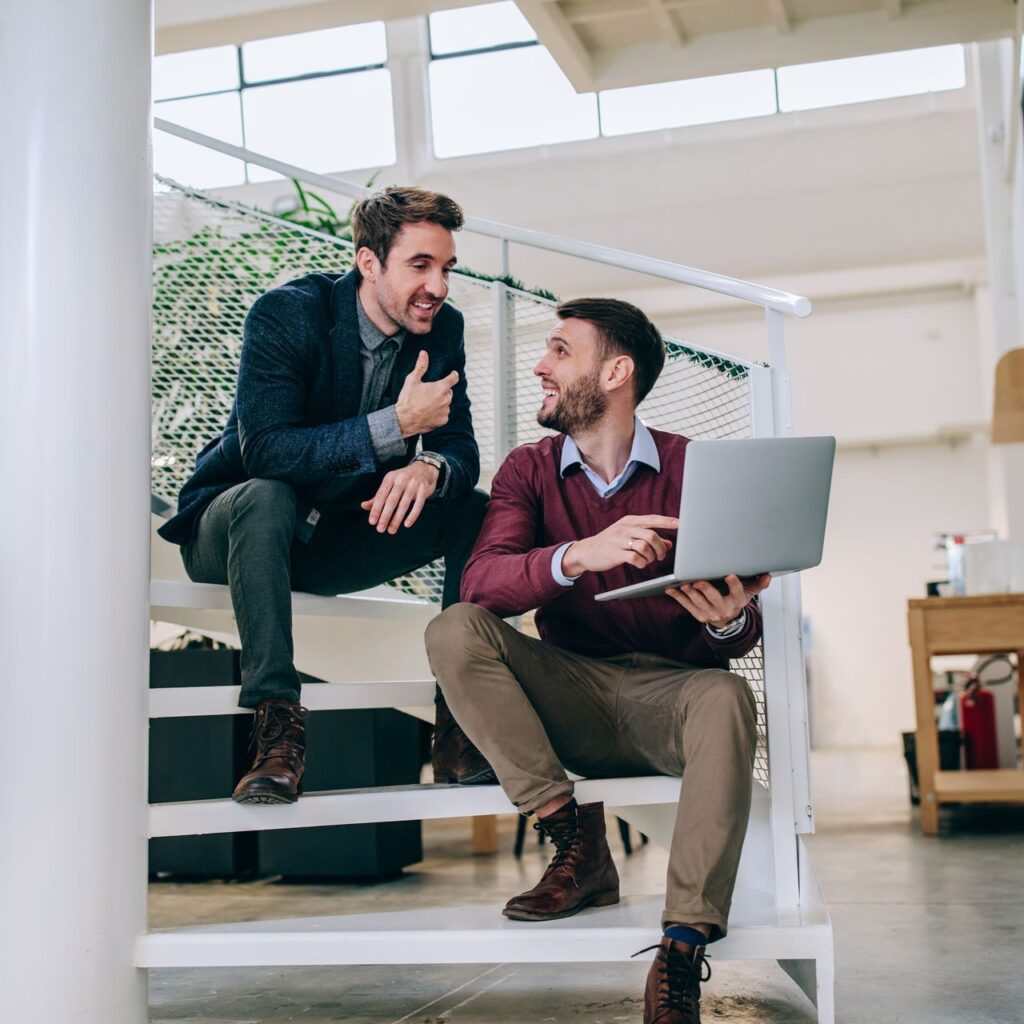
[[707, 604], [746, 508], [631, 540]]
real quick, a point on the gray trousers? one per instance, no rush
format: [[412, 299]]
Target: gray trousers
[[245, 539], [534, 710]]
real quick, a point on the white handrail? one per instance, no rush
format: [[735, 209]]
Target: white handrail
[[770, 298]]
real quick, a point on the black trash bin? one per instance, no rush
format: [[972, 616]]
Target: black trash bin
[[198, 758], [950, 743], [356, 749], [202, 757]]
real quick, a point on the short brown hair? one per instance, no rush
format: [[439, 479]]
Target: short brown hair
[[624, 330], [377, 219]]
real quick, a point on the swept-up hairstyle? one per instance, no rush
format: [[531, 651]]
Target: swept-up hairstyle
[[624, 330], [377, 219]]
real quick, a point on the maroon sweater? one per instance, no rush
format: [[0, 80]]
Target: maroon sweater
[[533, 511]]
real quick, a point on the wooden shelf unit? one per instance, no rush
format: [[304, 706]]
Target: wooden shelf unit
[[990, 624]]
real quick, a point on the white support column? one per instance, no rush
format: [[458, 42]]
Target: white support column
[[408, 62], [1003, 328], [75, 205]]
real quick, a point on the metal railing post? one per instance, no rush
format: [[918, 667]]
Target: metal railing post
[[785, 679], [503, 351]]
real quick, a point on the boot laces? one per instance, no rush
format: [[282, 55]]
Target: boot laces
[[277, 732], [679, 979], [568, 842]]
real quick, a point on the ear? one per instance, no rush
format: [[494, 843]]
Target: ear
[[618, 372], [368, 264]]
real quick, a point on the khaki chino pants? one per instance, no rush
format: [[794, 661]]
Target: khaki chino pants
[[535, 710]]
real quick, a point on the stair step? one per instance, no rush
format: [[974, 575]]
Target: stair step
[[387, 803], [478, 935], [375, 604], [189, 701]]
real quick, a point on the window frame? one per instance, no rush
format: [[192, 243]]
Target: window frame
[[243, 85]]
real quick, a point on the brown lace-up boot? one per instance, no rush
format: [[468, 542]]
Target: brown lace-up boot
[[672, 995], [581, 874], [279, 735], [453, 756]]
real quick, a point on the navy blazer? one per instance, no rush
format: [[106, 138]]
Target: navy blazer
[[296, 411]]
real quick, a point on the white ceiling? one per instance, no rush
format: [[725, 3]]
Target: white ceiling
[[604, 44]]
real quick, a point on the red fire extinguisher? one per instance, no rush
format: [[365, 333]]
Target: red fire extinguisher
[[978, 726]]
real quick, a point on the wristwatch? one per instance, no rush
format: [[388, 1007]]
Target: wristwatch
[[435, 460]]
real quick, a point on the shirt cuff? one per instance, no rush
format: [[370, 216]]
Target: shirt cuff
[[732, 629], [556, 567], [385, 434]]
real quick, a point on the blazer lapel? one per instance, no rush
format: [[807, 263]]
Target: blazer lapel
[[348, 366]]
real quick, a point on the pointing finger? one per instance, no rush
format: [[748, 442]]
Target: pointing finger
[[656, 522]]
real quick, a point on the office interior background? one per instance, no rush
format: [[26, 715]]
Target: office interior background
[[863, 153]]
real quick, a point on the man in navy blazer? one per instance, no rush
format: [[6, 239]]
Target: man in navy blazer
[[315, 483]]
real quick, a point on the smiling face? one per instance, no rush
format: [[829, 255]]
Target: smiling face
[[570, 376], [409, 289]]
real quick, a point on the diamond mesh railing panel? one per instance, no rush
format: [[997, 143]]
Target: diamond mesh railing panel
[[213, 259]]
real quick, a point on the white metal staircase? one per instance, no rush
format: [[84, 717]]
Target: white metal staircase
[[778, 911]]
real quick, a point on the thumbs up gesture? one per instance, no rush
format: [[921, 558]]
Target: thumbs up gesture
[[422, 405]]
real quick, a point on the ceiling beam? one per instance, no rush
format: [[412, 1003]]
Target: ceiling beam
[[689, 5], [563, 42], [815, 39], [582, 13], [194, 24], [780, 15], [667, 23]]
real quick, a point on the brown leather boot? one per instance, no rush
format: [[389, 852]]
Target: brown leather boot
[[279, 734], [672, 995], [581, 874], [453, 756]]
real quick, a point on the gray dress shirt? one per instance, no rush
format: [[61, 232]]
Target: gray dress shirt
[[378, 352]]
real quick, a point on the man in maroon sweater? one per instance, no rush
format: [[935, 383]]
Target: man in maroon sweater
[[613, 688]]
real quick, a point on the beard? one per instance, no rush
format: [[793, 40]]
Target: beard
[[397, 310], [577, 408]]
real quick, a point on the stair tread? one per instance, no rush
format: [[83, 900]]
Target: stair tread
[[385, 803], [184, 701], [479, 934], [368, 604]]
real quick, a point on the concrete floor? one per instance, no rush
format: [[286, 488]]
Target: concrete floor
[[927, 930]]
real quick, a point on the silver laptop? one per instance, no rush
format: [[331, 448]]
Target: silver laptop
[[747, 507]]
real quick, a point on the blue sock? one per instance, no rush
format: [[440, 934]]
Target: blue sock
[[691, 936]]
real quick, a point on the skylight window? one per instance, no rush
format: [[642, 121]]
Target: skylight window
[[875, 77], [478, 28]]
